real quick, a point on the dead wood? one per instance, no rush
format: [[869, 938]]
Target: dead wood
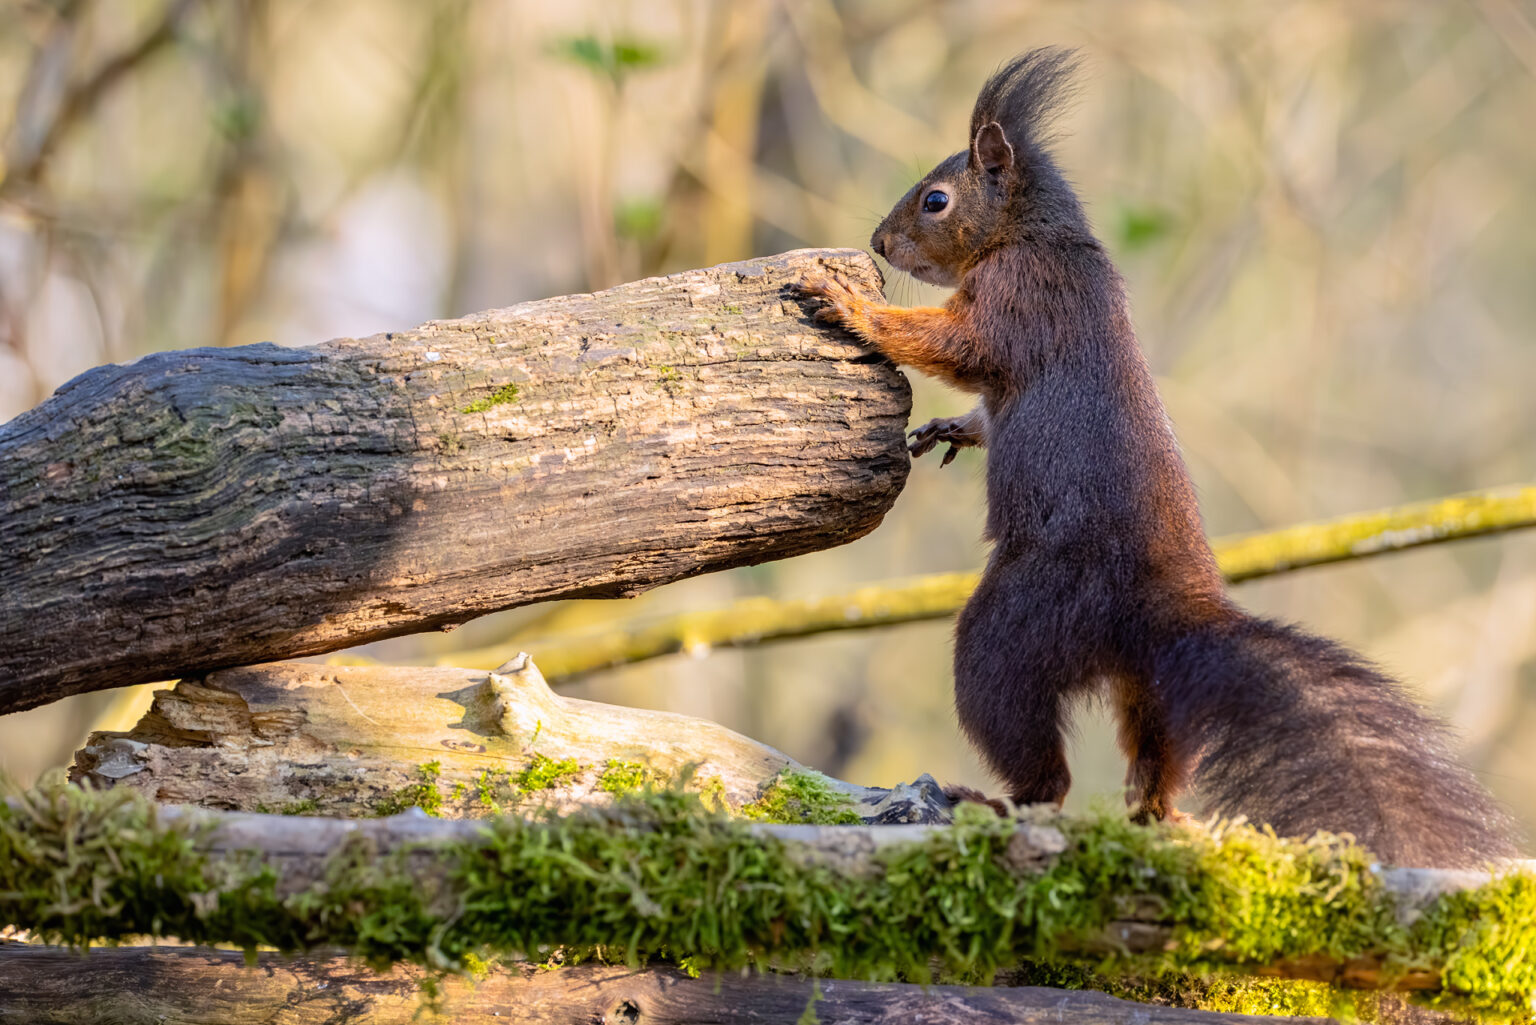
[[349, 741], [181, 986], [218, 507]]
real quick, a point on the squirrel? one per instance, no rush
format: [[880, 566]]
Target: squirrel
[[1100, 578]]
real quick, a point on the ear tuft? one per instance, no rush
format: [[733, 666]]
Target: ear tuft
[[990, 150]]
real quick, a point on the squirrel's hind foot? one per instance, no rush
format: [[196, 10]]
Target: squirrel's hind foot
[[1146, 813], [958, 792]]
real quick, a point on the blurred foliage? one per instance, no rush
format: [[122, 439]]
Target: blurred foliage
[[615, 59], [1142, 226], [1323, 212]]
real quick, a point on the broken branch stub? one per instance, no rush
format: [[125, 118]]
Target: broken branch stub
[[218, 507]]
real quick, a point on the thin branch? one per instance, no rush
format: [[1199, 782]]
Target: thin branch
[[1471, 514], [1242, 557], [30, 159]]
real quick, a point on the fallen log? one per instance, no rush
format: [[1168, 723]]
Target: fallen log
[[217, 507], [181, 986]]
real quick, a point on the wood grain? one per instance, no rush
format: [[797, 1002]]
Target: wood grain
[[47, 986], [219, 507], [339, 740]]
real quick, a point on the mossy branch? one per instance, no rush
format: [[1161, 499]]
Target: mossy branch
[[664, 877], [1472, 514], [748, 621], [1242, 557]]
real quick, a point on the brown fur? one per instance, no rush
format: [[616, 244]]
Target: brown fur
[[1100, 578]]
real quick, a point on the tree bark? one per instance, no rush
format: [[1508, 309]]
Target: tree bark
[[182, 986], [219, 507]]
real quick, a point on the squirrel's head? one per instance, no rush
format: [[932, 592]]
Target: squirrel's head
[[1002, 188]]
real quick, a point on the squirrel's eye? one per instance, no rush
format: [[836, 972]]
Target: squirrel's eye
[[935, 201]]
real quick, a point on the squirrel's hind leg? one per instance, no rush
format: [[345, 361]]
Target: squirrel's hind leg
[[1011, 697], [1156, 770], [1019, 734]]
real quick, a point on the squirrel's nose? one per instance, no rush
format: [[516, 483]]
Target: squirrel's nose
[[877, 243]]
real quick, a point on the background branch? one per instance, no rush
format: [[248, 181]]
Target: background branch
[[1242, 557]]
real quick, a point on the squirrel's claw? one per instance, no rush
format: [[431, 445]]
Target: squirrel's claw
[[834, 291], [955, 432]]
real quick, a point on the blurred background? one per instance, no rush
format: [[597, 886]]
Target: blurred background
[[1325, 213]]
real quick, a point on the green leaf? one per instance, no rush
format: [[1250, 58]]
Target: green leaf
[[1142, 226], [614, 59]]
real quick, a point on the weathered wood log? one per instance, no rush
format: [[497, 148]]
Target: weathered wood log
[[183, 986], [351, 740], [217, 507]]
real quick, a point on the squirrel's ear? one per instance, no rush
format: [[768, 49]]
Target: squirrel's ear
[[990, 150]]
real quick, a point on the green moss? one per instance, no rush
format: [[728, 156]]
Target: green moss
[[475, 967], [622, 778], [500, 397], [1484, 941], [670, 378], [796, 796], [1227, 994], [733, 309], [662, 876], [422, 794], [493, 787], [545, 773], [711, 795], [499, 789], [78, 866]]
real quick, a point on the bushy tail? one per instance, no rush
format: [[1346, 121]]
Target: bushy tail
[[1300, 732]]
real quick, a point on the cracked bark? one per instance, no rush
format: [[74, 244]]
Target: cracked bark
[[218, 507]]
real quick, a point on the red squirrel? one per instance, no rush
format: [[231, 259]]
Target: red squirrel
[[1100, 578]]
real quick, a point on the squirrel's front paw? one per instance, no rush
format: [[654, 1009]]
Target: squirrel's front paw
[[838, 298], [956, 432]]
